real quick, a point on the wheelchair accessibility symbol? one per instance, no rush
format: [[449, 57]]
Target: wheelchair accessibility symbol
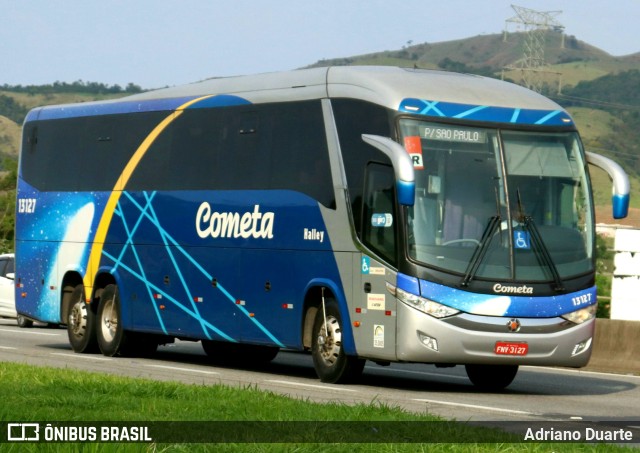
[[366, 264], [521, 240]]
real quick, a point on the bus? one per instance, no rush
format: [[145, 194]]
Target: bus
[[356, 213]]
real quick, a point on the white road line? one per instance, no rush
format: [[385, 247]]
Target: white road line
[[473, 406], [421, 373], [577, 371], [300, 384], [7, 347], [31, 332], [81, 356], [182, 369]]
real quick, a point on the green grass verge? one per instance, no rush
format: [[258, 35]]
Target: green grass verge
[[42, 394]]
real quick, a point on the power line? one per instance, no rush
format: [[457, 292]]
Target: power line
[[610, 151], [596, 102]]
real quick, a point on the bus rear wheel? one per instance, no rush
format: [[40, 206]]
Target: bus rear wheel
[[81, 324], [113, 340], [330, 361], [491, 377], [23, 322]]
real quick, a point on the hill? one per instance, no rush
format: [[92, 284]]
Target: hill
[[574, 59], [16, 101], [598, 89], [9, 137]]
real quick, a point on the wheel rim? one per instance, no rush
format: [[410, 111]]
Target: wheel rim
[[78, 319], [330, 341], [109, 322]]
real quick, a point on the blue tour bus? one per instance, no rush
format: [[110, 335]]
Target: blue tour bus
[[359, 213]]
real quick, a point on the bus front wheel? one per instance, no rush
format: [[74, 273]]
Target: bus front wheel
[[330, 361], [81, 324], [491, 377]]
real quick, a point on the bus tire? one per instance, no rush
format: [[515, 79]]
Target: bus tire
[[330, 361], [81, 323], [110, 334], [491, 377], [23, 322]]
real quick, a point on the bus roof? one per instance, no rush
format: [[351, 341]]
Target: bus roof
[[400, 89], [384, 85]]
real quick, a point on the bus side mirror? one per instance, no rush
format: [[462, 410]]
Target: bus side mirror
[[402, 166], [621, 188]]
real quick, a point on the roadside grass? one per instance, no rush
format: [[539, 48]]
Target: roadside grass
[[40, 394]]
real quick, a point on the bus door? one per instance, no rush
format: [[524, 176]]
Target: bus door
[[376, 310]]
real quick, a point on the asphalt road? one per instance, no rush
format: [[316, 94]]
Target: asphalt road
[[537, 394]]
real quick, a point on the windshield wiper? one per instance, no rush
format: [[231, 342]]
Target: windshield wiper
[[483, 246], [541, 249], [481, 250]]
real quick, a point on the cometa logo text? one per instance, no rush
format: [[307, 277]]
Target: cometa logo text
[[233, 224], [524, 289]]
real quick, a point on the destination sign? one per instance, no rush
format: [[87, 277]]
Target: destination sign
[[453, 134]]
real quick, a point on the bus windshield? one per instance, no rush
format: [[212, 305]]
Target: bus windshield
[[497, 204]]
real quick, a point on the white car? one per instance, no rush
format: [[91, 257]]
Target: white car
[[7, 287], [7, 291]]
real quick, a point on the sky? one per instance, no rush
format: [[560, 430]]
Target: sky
[[157, 43]]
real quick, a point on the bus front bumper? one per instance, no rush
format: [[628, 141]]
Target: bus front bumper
[[473, 339]]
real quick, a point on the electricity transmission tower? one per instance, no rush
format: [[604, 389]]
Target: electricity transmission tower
[[532, 66]]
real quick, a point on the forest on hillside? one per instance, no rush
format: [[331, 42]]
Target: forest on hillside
[[17, 111], [617, 94]]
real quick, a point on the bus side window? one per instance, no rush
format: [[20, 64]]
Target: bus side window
[[378, 213]]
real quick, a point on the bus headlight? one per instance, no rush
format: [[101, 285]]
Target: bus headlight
[[425, 305], [582, 315]]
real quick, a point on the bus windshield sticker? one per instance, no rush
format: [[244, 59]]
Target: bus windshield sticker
[[521, 239], [413, 146], [453, 134], [382, 220]]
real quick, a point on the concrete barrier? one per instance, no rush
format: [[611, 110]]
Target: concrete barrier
[[616, 347]]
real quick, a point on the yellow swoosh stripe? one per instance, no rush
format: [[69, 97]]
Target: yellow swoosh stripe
[[112, 202]]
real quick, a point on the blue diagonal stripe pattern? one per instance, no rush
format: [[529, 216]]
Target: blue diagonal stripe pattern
[[485, 113], [147, 212]]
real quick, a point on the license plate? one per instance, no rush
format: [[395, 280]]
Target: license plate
[[511, 348]]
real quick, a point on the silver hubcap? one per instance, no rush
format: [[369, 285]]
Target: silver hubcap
[[109, 322], [330, 341], [78, 318]]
